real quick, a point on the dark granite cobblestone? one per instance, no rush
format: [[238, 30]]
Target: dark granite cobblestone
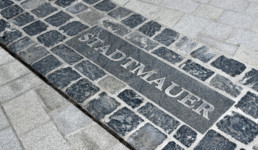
[[101, 106], [239, 127], [133, 20], [115, 27], [82, 90], [73, 28], [3, 25], [124, 121], [186, 45], [23, 19], [214, 141], [44, 10], [159, 118], [186, 135], [5, 3], [203, 54], [105, 5], [150, 28], [51, 38], [91, 1], [77, 8], [167, 37], [141, 41], [90, 70], [46, 64], [11, 11], [64, 3], [131, 98], [168, 55], [249, 104], [229, 66], [251, 79], [119, 13], [58, 19], [67, 54], [35, 28], [9, 36], [20, 44], [172, 146], [33, 54]]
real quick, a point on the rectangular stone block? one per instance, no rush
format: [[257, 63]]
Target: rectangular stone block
[[8, 140], [4, 122], [5, 57]]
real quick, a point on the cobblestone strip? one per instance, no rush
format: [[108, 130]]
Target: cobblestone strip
[[38, 34]]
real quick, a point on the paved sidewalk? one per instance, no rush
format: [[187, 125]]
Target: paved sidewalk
[[33, 116]]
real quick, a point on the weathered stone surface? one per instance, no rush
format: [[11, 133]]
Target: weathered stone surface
[[32, 54], [46, 64], [229, 66], [3, 25], [82, 90], [23, 19], [226, 85], [90, 16], [77, 8], [148, 137], [4, 122], [101, 106], [168, 55], [186, 45], [141, 41], [44, 10], [203, 54], [213, 140], [9, 36], [58, 19], [150, 28], [67, 54], [159, 118], [51, 38], [63, 77], [35, 28], [119, 13], [115, 27], [5, 3], [32, 4], [73, 28], [91, 1], [64, 3], [172, 146], [196, 70], [186, 135], [167, 37], [105, 5], [111, 84], [8, 140], [20, 44], [90, 70], [11, 11], [239, 127], [131, 98], [249, 104], [123, 121], [134, 20], [251, 79]]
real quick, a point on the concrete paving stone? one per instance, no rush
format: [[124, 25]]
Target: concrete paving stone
[[32, 4], [70, 119], [167, 37], [168, 55], [196, 70], [11, 11], [141, 41], [67, 54], [181, 5], [235, 19], [202, 1], [229, 66], [51, 38], [40, 138], [213, 140], [9, 36], [101, 106], [203, 54], [4, 122], [63, 77], [124, 121], [5, 3], [51, 99], [33, 54], [91, 16], [249, 104], [121, 2], [18, 86], [119, 13], [90, 70], [159, 117], [91, 1], [111, 84], [73, 28], [226, 85], [82, 90], [35, 28], [217, 31], [186, 45], [191, 25], [147, 137], [247, 56], [26, 112], [3, 25], [186, 135], [5, 57], [93, 137], [58, 19], [251, 79], [46, 64], [208, 11], [119, 146], [115, 27], [172, 146], [77, 8], [20, 44], [133, 20], [253, 9], [8, 140], [12, 70], [105, 5], [131, 98], [236, 5], [44, 10], [150, 28], [64, 3], [239, 127], [23, 19], [255, 26]]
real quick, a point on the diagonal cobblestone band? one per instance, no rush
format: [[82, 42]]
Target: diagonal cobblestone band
[[149, 84]]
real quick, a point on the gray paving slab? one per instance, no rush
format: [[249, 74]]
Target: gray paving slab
[[8, 140]]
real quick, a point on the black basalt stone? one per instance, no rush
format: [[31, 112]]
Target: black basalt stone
[[172, 146], [44, 10], [23, 19], [251, 79], [167, 37], [51, 38], [32, 54], [150, 28], [58, 19], [73, 28], [119, 13], [131, 98], [20, 44], [133, 20], [35, 28], [5, 3], [115, 27], [105, 5], [91, 1], [3, 25], [46, 64], [186, 135], [9, 36], [11, 11], [249, 104], [64, 3], [77, 8], [203, 54], [168, 55]]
